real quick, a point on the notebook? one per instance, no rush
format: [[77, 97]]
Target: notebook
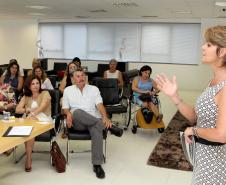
[[18, 131]]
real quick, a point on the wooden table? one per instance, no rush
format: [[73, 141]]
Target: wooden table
[[7, 143]]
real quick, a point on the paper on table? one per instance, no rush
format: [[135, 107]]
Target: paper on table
[[20, 131]]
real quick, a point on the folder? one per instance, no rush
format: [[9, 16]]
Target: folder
[[18, 131]]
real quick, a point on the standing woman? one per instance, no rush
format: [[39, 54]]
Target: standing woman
[[36, 104], [45, 81], [208, 117]]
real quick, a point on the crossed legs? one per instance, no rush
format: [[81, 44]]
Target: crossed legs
[[84, 121]]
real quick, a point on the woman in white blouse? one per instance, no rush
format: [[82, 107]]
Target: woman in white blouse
[[46, 83]]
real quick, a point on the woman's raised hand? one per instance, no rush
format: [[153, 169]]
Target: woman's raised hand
[[167, 86]]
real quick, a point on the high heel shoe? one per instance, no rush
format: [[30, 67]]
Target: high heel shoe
[[28, 169]]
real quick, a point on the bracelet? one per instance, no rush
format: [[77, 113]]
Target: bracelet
[[32, 114], [194, 130]]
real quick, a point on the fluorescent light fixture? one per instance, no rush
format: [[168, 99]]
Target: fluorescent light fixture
[[183, 12], [38, 7], [220, 3], [36, 14]]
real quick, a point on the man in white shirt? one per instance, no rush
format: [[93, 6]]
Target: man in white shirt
[[83, 105]]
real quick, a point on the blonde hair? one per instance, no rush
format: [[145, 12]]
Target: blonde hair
[[217, 36]]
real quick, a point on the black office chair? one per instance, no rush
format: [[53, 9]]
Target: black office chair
[[49, 135], [112, 99], [82, 136]]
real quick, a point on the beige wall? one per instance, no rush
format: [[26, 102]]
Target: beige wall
[[18, 38]]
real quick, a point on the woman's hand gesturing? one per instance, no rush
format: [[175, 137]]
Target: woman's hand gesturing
[[167, 86]]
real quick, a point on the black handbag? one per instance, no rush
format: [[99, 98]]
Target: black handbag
[[58, 159]]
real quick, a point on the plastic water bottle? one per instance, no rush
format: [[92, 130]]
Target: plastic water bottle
[[6, 115]]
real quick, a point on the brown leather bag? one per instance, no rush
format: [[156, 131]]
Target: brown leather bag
[[58, 159]]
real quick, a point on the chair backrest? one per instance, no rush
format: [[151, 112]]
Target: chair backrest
[[101, 68], [55, 102], [53, 80], [59, 66], [129, 75], [109, 90]]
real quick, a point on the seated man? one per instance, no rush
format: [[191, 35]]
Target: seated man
[[83, 106]]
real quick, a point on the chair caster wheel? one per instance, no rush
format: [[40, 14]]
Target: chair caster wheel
[[161, 130], [134, 130]]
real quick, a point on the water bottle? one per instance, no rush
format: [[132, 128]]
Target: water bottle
[[6, 115]]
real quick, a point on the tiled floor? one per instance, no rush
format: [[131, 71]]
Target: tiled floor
[[126, 161]]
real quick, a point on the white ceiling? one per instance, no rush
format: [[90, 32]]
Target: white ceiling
[[122, 9]]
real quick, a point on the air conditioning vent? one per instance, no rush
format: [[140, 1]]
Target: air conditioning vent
[[149, 16], [98, 11]]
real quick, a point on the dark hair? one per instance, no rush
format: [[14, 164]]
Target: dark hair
[[76, 59], [145, 68], [12, 62], [27, 85], [67, 73]]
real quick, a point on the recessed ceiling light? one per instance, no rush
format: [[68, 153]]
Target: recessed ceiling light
[[38, 7], [36, 14], [220, 3], [183, 12]]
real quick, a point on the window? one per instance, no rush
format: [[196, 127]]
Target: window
[[145, 42]]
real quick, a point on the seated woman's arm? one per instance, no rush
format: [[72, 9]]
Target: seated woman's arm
[[63, 84], [155, 88], [136, 89], [2, 78], [20, 108], [105, 74], [120, 79], [20, 83], [46, 100]]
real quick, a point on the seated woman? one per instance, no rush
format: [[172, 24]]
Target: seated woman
[[37, 105], [67, 80], [36, 62], [7, 98], [13, 77], [146, 85], [7, 103], [45, 81], [113, 73]]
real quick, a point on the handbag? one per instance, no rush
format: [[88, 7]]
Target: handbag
[[188, 148], [58, 159]]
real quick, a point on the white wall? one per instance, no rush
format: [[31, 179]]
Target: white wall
[[17, 40]]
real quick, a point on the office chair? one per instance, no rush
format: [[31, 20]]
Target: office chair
[[112, 99], [82, 136]]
